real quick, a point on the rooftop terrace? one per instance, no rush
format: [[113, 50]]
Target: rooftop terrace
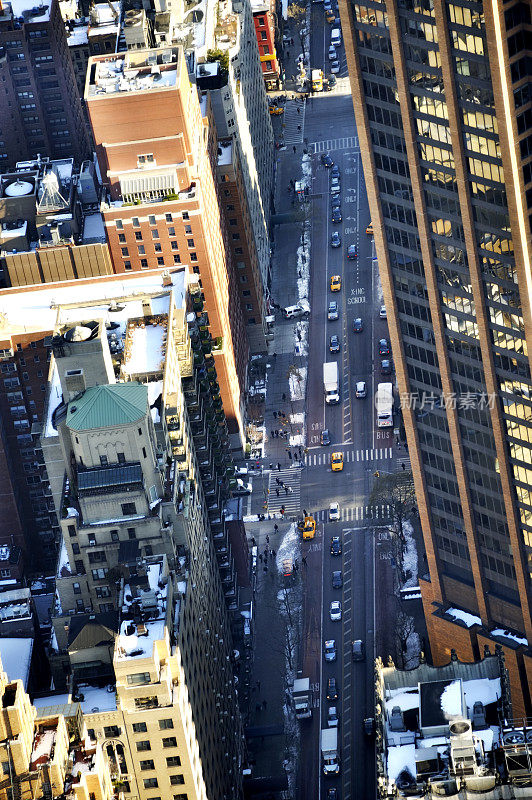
[[133, 71]]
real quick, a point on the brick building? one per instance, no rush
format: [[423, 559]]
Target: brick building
[[264, 20]]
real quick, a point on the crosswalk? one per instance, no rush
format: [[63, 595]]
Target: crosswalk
[[279, 496], [293, 122], [370, 454], [356, 513], [325, 146]]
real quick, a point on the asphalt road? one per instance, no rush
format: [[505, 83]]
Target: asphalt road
[[329, 128]]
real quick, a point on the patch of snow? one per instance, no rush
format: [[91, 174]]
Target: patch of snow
[[490, 737], [250, 518], [512, 636], [289, 547], [410, 556], [96, 699], [297, 384], [451, 700], [145, 349], [55, 398], [42, 746], [467, 619], [400, 759], [15, 655], [485, 690], [63, 565], [406, 700], [51, 701], [413, 650]]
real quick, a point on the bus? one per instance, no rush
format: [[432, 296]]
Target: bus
[[317, 80], [384, 405]]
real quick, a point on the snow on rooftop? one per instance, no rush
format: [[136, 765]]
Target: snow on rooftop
[[125, 72], [24, 8], [511, 636], [15, 655], [483, 690], [78, 36], [36, 309], [55, 398], [96, 699], [12, 232], [464, 616], [42, 745], [451, 699], [51, 701], [225, 153], [63, 564], [401, 758], [404, 698], [145, 348], [132, 643]]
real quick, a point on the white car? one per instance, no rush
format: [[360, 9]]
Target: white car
[[335, 67], [334, 512], [332, 311], [335, 611], [332, 717], [332, 53], [361, 390], [382, 312]]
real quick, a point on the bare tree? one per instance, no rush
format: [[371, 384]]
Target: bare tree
[[298, 14], [396, 490], [404, 629]]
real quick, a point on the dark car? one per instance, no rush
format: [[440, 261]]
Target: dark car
[[358, 650], [358, 325], [336, 216], [326, 160], [335, 171], [336, 202], [337, 579], [386, 366], [334, 344], [384, 347], [336, 546], [332, 793], [369, 726], [352, 251], [332, 689], [335, 239], [325, 437]]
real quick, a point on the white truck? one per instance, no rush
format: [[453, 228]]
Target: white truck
[[329, 751], [302, 698], [384, 405], [330, 382]]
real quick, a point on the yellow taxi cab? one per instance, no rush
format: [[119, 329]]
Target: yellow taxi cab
[[276, 110], [329, 16], [369, 229], [337, 462], [336, 283], [307, 527]]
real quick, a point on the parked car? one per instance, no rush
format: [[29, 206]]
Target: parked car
[[335, 611], [352, 251], [326, 160], [329, 650], [335, 187], [331, 80], [325, 437], [332, 717], [337, 581], [336, 283], [360, 390], [336, 241], [336, 546], [384, 347], [358, 650], [332, 689], [335, 67], [336, 216], [386, 366], [332, 53], [334, 512], [332, 312], [369, 726], [335, 171], [382, 312], [332, 793], [358, 325], [334, 344]]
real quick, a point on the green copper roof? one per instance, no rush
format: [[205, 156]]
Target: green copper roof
[[107, 406]]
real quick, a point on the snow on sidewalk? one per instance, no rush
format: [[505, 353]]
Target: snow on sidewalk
[[410, 556], [298, 384]]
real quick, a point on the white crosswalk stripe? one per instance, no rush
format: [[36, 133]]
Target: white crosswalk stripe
[[293, 123], [325, 146], [356, 513], [373, 454], [291, 500]]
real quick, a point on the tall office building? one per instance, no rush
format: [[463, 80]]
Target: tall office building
[[156, 152], [441, 93], [40, 108]]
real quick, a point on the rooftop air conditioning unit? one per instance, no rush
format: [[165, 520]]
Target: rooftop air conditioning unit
[[463, 754]]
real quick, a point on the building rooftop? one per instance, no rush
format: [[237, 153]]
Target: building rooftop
[[15, 655], [107, 406], [147, 601], [145, 346], [225, 153], [133, 71], [28, 11]]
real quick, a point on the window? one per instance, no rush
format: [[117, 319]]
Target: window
[[160, 261], [170, 741], [103, 460], [121, 458], [75, 548], [119, 224], [127, 264], [151, 220], [143, 746], [103, 591], [97, 556], [266, 50], [166, 724], [111, 731], [171, 231], [176, 780], [174, 245], [148, 764], [144, 263], [99, 574], [168, 217], [263, 36], [138, 236], [80, 568], [183, 796], [177, 258], [155, 233], [135, 222], [190, 242], [114, 536], [91, 733], [146, 702], [71, 530], [150, 783], [139, 727], [124, 251], [144, 452], [173, 761], [141, 250], [138, 678], [76, 588], [129, 508], [193, 256], [188, 229]]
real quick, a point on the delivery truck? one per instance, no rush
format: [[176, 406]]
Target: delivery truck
[[329, 751], [302, 698], [330, 382]]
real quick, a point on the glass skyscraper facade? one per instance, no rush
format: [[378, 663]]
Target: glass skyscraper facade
[[443, 106]]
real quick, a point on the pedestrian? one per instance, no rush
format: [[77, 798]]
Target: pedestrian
[[281, 483], [265, 569], [300, 452], [272, 434], [274, 356], [304, 561], [286, 488], [264, 704], [288, 53], [253, 542], [267, 539], [284, 397], [305, 512], [298, 110], [294, 149], [278, 466], [271, 466], [290, 455], [403, 465], [277, 492], [258, 686], [277, 481], [260, 557], [276, 433], [276, 528], [273, 553], [275, 414], [299, 127], [292, 41], [290, 490]]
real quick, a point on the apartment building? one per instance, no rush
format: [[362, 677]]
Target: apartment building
[[440, 92], [40, 109], [162, 209], [264, 19], [47, 757]]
